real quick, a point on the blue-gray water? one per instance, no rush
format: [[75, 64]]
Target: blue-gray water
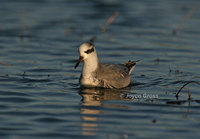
[[40, 96]]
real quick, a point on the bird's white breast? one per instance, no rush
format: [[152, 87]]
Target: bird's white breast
[[89, 81]]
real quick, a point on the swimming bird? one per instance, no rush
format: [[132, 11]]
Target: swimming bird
[[95, 74]]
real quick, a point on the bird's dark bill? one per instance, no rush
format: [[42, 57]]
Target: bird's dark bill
[[79, 61]]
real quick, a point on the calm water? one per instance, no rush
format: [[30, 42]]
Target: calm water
[[40, 96]]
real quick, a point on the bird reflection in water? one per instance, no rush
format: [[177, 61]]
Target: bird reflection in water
[[92, 101]]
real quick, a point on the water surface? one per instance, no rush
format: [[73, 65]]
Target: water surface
[[40, 96]]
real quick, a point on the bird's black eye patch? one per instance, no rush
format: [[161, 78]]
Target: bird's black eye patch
[[89, 51]]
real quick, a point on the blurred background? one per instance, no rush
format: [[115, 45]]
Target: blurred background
[[39, 91]]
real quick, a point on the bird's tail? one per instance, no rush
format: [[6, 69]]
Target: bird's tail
[[131, 65]]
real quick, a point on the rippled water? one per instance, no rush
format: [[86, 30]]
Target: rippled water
[[39, 91]]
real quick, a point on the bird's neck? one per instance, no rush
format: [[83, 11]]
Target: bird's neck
[[90, 65]]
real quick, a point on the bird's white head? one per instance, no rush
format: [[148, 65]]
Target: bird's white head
[[87, 51]]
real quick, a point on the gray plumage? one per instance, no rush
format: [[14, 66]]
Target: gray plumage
[[114, 75]]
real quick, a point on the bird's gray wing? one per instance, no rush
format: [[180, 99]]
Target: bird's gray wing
[[113, 75], [113, 71]]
